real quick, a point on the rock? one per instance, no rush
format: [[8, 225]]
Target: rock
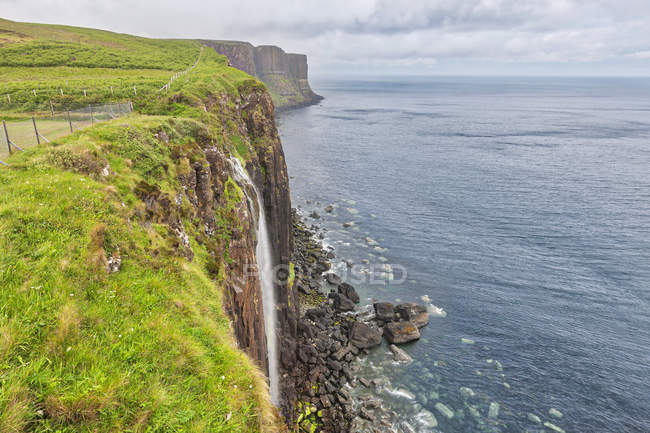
[[323, 266], [314, 215], [329, 209], [325, 401], [534, 418], [407, 428], [363, 413], [363, 336], [474, 412], [399, 355], [365, 382], [427, 419], [555, 413], [342, 303], [445, 410], [371, 404], [493, 412], [401, 332], [348, 291], [553, 427], [466, 341], [467, 392], [333, 279], [348, 263], [348, 224], [114, 264], [415, 313], [384, 311], [405, 393]]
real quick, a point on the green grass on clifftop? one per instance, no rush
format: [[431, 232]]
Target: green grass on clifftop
[[147, 348], [142, 349]]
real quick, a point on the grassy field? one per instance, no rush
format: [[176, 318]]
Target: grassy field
[[148, 348], [43, 63]]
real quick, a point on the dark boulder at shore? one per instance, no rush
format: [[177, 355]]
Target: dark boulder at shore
[[384, 311], [401, 332], [342, 303], [348, 291], [333, 279], [414, 313], [364, 336]]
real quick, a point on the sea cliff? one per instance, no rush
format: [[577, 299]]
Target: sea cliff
[[285, 74]]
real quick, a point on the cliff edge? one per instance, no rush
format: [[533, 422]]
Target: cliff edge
[[285, 74]]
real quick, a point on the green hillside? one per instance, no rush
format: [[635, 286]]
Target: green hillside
[[39, 63], [147, 348]]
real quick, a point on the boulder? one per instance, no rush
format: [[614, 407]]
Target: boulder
[[363, 336], [348, 291], [333, 279], [384, 311], [413, 312], [314, 215], [329, 209], [399, 355], [401, 332], [342, 303]]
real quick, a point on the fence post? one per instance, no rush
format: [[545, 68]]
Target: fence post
[[52, 108], [38, 139], [70, 121], [92, 119], [4, 125]]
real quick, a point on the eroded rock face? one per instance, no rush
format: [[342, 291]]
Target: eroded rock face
[[249, 115], [286, 74]]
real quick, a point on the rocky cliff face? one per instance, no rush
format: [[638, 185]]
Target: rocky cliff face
[[286, 75], [249, 116]]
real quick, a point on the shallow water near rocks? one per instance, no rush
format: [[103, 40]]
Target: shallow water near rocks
[[521, 209]]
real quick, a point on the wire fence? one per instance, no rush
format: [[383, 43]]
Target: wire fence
[[180, 74], [16, 135]]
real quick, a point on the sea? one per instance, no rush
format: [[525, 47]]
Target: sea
[[518, 211]]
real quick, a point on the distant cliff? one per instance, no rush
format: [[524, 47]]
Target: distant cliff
[[285, 74]]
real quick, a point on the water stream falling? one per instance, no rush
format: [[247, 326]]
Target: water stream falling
[[265, 274]]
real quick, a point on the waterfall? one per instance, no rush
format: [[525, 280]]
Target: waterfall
[[264, 259]]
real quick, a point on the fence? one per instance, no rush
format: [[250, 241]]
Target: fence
[[180, 74], [16, 135]]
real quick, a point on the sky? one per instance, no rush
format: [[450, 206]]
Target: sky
[[425, 37]]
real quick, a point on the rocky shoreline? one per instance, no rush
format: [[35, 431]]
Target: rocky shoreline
[[333, 335]]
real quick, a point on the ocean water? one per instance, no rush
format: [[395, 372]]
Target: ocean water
[[519, 206]]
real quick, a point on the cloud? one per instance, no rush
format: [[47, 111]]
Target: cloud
[[405, 32]]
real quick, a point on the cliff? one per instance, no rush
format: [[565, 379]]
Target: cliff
[[285, 74], [130, 295]]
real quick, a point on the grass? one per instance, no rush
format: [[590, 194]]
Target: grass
[[148, 348], [143, 349], [60, 62]]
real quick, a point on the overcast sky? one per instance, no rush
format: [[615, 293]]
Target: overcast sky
[[528, 37]]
